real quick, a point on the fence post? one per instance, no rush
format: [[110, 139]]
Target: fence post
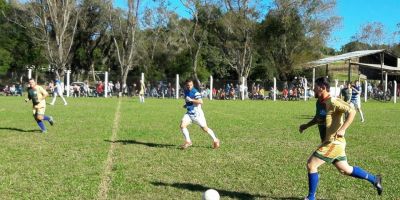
[[365, 90], [274, 92], [305, 89], [313, 77], [29, 73], [68, 81], [243, 88], [395, 92], [211, 87], [386, 79], [105, 84], [177, 87], [336, 84]]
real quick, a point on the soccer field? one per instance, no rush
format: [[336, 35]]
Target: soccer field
[[120, 149]]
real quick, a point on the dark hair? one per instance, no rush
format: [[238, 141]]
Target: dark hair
[[323, 81], [188, 80]]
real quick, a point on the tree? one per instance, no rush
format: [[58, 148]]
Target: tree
[[124, 25], [294, 32], [372, 33], [52, 24]]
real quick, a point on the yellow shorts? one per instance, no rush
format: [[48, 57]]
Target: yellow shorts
[[39, 111], [332, 152]]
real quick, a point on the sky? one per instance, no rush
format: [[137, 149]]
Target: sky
[[354, 13]]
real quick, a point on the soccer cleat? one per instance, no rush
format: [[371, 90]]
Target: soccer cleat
[[65, 104], [45, 131], [51, 104], [51, 121], [378, 184], [186, 145], [216, 144]]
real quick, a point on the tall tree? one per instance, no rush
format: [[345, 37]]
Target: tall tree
[[124, 25], [52, 24]]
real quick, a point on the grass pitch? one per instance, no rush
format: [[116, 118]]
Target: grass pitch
[[262, 155]]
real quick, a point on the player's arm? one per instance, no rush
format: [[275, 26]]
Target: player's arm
[[355, 89], [351, 112], [312, 122], [44, 94]]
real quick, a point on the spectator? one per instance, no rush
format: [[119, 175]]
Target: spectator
[[100, 89], [285, 94]]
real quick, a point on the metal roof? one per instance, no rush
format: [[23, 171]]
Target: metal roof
[[346, 56]]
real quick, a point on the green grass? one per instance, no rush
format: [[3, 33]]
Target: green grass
[[262, 155]]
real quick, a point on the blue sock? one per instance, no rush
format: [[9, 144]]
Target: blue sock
[[312, 185], [358, 172], [46, 118], [41, 125]]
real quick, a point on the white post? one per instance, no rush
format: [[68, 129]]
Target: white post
[[105, 84], [274, 92], [177, 87], [336, 84], [142, 78], [395, 92], [68, 81], [211, 87], [365, 90], [305, 89], [386, 79], [313, 77], [29, 73], [243, 88]]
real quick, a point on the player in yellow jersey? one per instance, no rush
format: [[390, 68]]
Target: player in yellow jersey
[[332, 128], [38, 95]]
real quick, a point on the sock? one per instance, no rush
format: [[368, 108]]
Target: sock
[[358, 172], [185, 132], [41, 125], [212, 134], [362, 115], [46, 118], [312, 185]]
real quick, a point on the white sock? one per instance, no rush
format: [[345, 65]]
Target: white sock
[[65, 102], [362, 115], [212, 134], [185, 132]]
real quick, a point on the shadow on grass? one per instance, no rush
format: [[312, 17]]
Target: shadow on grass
[[222, 193], [149, 144], [19, 130]]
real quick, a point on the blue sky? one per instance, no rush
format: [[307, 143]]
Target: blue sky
[[354, 13]]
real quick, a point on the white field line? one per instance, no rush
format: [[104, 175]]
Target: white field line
[[106, 176]]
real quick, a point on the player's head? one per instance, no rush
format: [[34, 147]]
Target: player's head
[[189, 84], [321, 85], [32, 83]]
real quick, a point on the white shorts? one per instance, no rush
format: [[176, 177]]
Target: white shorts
[[196, 119], [356, 104]]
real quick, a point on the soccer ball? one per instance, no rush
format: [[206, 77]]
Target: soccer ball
[[210, 194]]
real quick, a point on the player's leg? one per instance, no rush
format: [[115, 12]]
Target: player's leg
[[360, 111], [62, 97], [184, 124], [358, 172], [54, 98], [201, 121], [313, 177], [39, 120]]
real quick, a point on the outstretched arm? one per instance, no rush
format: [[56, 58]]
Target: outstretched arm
[[308, 124]]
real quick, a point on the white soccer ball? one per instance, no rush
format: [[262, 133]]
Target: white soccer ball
[[210, 194]]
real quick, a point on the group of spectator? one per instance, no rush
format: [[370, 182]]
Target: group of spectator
[[12, 90]]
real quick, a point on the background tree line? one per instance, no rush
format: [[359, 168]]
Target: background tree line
[[228, 39]]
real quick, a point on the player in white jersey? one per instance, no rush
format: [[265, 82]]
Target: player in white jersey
[[58, 91], [195, 115], [356, 99]]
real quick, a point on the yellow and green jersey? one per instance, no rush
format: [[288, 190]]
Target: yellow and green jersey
[[330, 112], [37, 94]]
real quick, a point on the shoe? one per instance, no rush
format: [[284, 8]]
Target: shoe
[[45, 131], [186, 145], [51, 121], [378, 184], [216, 144], [65, 104], [51, 104]]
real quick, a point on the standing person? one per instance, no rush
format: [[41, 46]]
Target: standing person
[[141, 91], [38, 95], [356, 99], [329, 117], [194, 114], [58, 91], [100, 89], [346, 92]]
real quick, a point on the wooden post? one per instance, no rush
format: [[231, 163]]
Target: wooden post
[[349, 73], [313, 77], [211, 87]]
